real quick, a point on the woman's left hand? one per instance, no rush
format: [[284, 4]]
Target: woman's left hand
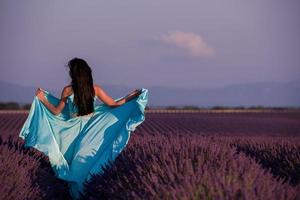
[[40, 94]]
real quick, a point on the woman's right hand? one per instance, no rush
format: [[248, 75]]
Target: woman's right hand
[[133, 94], [129, 97], [137, 92]]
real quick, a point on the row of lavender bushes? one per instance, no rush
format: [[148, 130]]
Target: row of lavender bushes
[[186, 167], [176, 166], [279, 154], [25, 173]]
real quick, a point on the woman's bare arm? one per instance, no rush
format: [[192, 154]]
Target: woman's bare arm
[[108, 100], [60, 106]]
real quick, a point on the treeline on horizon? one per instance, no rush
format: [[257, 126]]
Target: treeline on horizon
[[18, 106]]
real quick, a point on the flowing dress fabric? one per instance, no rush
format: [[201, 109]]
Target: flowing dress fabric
[[78, 147]]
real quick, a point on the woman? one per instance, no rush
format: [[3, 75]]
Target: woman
[[78, 136], [84, 91]]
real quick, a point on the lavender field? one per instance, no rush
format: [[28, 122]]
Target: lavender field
[[204, 155]]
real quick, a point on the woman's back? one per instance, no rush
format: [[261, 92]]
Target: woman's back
[[72, 106]]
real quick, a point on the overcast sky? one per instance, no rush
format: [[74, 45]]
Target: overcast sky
[[198, 44]]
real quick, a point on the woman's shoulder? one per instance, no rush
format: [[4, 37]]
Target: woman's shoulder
[[97, 88], [67, 90]]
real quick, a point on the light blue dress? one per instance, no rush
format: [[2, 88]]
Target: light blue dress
[[77, 147]]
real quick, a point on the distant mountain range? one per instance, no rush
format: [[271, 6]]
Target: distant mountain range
[[248, 94]]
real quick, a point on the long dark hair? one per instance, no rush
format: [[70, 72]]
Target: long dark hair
[[82, 85]]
